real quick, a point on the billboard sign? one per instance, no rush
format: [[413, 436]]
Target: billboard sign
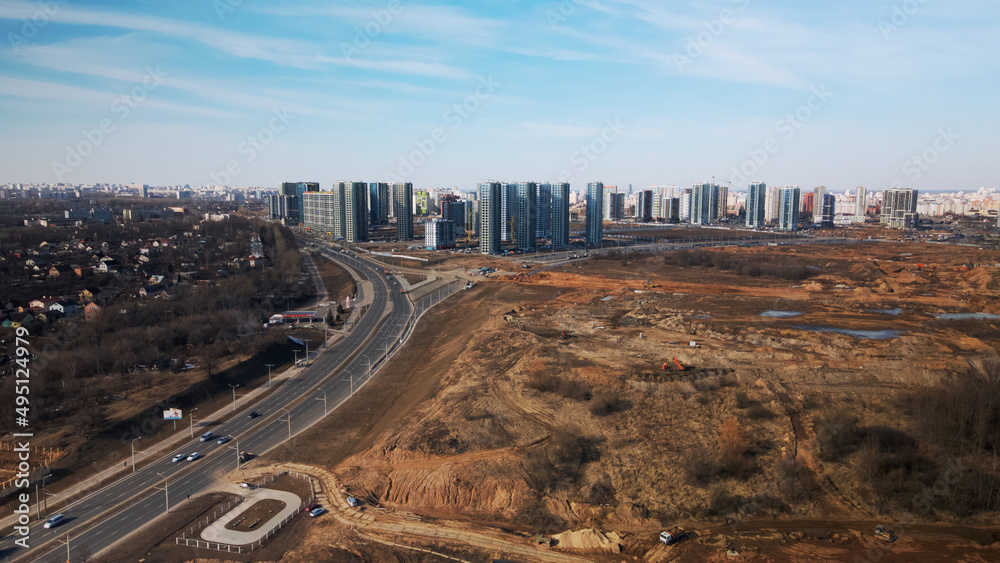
[[171, 414]]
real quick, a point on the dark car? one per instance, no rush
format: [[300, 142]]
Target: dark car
[[254, 414]]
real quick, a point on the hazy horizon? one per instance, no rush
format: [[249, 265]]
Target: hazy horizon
[[874, 94]]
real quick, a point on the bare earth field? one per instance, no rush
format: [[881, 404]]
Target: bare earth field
[[819, 399]]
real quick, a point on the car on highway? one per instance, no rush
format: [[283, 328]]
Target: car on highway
[[224, 439], [178, 457], [254, 414], [54, 521], [316, 512], [193, 456]]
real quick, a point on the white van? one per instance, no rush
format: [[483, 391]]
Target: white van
[[54, 521], [206, 436]]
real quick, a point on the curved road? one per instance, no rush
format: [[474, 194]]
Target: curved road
[[135, 500]]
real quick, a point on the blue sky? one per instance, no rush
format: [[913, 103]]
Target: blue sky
[[252, 93]]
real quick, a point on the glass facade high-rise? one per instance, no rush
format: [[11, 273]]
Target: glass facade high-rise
[[594, 224], [817, 207], [355, 211], [704, 204], [756, 199], [560, 215], [379, 203], [525, 218], [788, 208], [402, 196], [544, 210], [490, 217], [860, 202], [644, 206]]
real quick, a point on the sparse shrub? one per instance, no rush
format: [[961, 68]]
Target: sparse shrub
[[870, 463], [544, 382], [742, 400], [608, 402], [721, 502], [572, 389], [837, 435], [759, 412]]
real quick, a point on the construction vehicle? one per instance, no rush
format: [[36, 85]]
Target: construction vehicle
[[564, 335], [883, 534], [671, 536]]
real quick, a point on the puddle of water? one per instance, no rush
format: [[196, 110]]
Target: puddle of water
[[894, 312], [703, 317], [966, 316], [608, 298], [863, 334], [782, 314]]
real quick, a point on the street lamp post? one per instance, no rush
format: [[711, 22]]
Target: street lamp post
[[289, 419], [166, 492], [237, 448], [234, 395], [296, 352], [269, 366], [306, 340], [323, 399], [133, 452], [191, 415]]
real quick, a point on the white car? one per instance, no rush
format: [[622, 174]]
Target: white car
[[316, 512], [179, 457], [193, 456]]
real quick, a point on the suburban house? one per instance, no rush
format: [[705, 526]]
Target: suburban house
[[60, 269], [64, 307], [91, 310]]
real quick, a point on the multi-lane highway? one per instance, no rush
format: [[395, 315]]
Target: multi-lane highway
[[112, 512]]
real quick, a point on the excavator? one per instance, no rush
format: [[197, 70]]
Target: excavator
[[666, 365]]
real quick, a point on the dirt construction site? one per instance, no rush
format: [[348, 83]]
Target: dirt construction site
[[762, 404]]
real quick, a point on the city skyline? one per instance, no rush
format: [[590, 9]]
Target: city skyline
[[883, 95]]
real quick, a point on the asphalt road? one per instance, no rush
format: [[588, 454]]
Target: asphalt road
[[110, 513]]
